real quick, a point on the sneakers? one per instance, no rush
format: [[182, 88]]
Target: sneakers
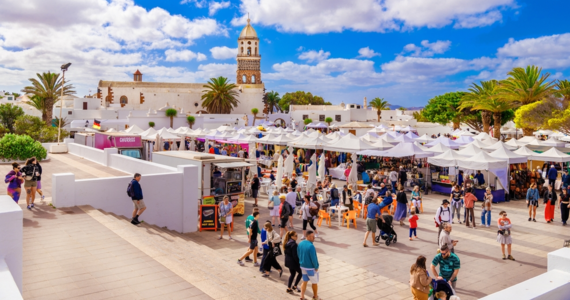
[[240, 262], [29, 207], [135, 222], [504, 257], [510, 257], [43, 197], [256, 264], [529, 219], [32, 205], [247, 259], [534, 220]]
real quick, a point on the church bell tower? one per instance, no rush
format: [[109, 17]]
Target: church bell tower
[[248, 58]]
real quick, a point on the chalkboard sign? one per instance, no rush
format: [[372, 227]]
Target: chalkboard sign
[[208, 217]]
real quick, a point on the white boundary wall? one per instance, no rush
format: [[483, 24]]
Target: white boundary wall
[[170, 194], [11, 246]]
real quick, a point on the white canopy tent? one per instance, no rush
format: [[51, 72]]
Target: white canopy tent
[[483, 161], [349, 144], [526, 139], [309, 143], [553, 142], [438, 148], [464, 140], [404, 139], [509, 156], [370, 137], [236, 138], [479, 144], [279, 140], [150, 131], [499, 145], [134, 130], [382, 145], [448, 158], [267, 138], [410, 134], [524, 151], [405, 150], [469, 150], [484, 136], [388, 138], [445, 141], [514, 143], [552, 154], [424, 139], [248, 139]]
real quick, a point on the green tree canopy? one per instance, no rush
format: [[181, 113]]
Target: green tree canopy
[[272, 101], [379, 104], [219, 96], [444, 108], [48, 88], [37, 129], [300, 98], [191, 120], [171, 113], [9, 113]]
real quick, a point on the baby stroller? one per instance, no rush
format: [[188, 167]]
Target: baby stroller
[[442, 286], [387, 232]]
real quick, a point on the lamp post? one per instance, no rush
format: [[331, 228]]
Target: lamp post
[[63, 69]]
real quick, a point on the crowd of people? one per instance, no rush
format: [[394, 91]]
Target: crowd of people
[[30, 175]]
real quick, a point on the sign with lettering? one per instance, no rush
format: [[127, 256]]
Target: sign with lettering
[[208, 217]]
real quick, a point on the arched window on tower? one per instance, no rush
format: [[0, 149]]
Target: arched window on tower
[[252, 78], [124, 100], [241, 50], [255, 51], [243, 78], [248, 51]]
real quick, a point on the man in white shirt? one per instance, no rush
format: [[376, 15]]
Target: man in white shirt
[[291, 198], [442, 216], [240, 153]]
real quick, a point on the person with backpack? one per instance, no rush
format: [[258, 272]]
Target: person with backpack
[[285, 210], [31, 173], [309, 211], [14, 180], [442, 216], [134, 191]]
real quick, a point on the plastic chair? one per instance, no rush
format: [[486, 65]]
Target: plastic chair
[[324, 215], [385, 209], [349, 215], [394, 203], [357, 207], [365, 211]]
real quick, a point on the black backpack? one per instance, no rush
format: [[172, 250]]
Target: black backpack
[[334, 194], [130, 190]]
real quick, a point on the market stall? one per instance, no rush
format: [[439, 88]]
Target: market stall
[[519, 179], [444, 175]]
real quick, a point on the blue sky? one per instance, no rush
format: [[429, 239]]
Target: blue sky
[[403, 51]]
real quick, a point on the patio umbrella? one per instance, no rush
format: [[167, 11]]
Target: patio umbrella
[[174, 146], [252, 152], [279, 177], [289, 163], [156, 143], [353, 176], [321, 169], [182, 145], [207, 146], [160, 142], [192, 145], [312, 181]]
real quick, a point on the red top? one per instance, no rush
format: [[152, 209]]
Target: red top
[[470, 200], [413, 221], [211, 151]]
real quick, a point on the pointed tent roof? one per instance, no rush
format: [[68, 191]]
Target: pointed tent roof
[[445, 141], [483, 136], [148, 132], [349, 144], [525, 151], [370, 137], [511, 157], [526, 139], [483, 161], [388, 138], [356, 125], [378, 130], [479, 144], [409, 128], [265, 139], [438, 148], [411, 135], [514, 143], [237, 137], [404, 138], [426, 149], [382, 145], [553, 142], [464, 140], [424, 138], [134, 130], [405, 150], [280, 140], [317, 125], [309, 143], [499, 145], [469, 150], [552, 154], [393, 134], [248, 139], [448, 158]]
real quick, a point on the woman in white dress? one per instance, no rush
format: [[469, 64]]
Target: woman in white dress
[[273, 206]]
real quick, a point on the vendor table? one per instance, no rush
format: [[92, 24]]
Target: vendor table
[[445, 188], [337, 173], [339, 210], [441, 187]]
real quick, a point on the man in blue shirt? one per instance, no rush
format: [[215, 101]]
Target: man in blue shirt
[[480, 178], [373, 213], [216, 150], [137, 197], [382, 190], [309, 264], [552, 175]]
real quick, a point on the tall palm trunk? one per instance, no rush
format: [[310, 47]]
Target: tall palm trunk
[[486, 118], [49, 103], [171, 121], [497, 125], [378, 113]]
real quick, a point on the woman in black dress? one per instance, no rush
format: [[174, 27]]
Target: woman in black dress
[[564, 206]]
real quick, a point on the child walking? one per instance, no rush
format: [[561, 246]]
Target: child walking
[[413, 219]]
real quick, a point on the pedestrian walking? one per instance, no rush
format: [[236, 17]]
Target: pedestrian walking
[[14, 180], [285, 211], [442, 216], [31, 173], [307, 216], [273, 241], [486, 207], [226, 213], [532, 196], [419, 279], [255, 188], [470, 200], [456, 203], [137, 197], [346, 197], [393, 176], [413, 220], [552, 175], [273, 207], [248, 222], [372, 214], [550, 199], [504, 234], [445, 238], [564, 206], [403, 176], [449, 265], [292, 261], [291, 198], [309, 264], [252, 240], [39, 181], [401, 206]]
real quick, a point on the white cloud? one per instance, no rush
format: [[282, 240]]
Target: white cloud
[[103, 39], [427, 49], [197, 3], [319, 16], [314, 56], [367, 52], [183, 55], [223, 52], [556, 46], [215, 6]]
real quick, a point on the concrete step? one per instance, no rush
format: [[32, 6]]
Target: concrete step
[[215, 274]]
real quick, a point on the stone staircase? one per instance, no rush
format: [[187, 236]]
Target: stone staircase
[[216, 274]]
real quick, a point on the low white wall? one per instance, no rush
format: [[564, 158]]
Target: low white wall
[[90, 153], [132, 165], [11, 246]]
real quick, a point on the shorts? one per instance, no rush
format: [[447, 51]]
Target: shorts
[[229, 220], [310, 275], [253, 245], [30, 183], [139, 204], [39, 182], [254, 193], [274, 212], [371, 225], [283, 222]]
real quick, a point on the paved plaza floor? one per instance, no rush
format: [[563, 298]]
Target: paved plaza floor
[[87, 254]]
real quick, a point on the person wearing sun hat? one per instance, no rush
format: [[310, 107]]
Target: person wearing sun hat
[[442, 216]]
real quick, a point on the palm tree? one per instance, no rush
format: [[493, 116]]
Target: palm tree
[[563, 90], [525, 86], [254, 111], [478, 94], [39, 103], [220, 96], [496, 107], [191, 120], [48, 86], [379, 104], [273, 101], [171, 113], [328, 120], [64, 122]]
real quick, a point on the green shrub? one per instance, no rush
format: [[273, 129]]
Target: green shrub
[[20, 147], [37, 129], [151, 124]]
